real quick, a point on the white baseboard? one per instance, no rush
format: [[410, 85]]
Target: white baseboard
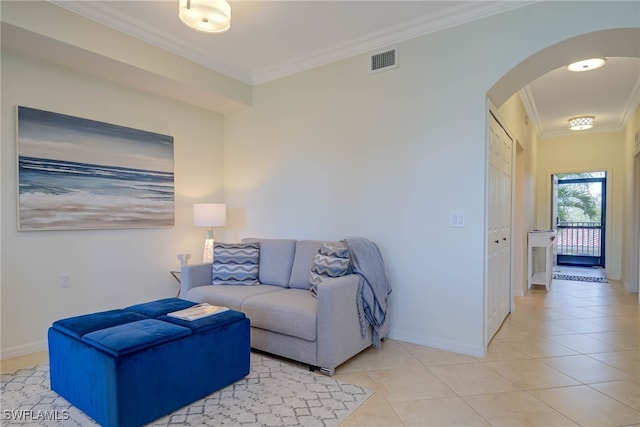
[[21, 350], [630, 287], [439, 343]]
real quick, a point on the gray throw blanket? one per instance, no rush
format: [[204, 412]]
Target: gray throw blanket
[[374, 287]]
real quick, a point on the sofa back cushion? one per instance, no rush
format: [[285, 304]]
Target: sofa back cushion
[[276, 259], [306, 250]]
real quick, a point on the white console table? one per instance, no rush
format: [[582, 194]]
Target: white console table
[[541, 239]]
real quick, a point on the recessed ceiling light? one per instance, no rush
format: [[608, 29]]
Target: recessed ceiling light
[[587, 65], [581, 123]]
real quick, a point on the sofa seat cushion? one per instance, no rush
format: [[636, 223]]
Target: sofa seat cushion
[[290, 312], [228, 296]]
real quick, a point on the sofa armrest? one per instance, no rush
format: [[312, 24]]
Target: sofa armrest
[[339, 336], [195, 275]]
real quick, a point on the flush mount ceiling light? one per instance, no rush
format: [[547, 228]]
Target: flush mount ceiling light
[[581, 123], [587, 65], [208, 16]]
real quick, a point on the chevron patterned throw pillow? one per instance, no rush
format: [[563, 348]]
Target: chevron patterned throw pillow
[[332, 260], [235, 263]]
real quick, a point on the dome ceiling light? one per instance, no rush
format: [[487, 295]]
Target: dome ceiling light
[[581, 123], [587, 65], [207, 16]]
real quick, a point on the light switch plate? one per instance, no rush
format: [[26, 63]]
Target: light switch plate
[[456, 219]]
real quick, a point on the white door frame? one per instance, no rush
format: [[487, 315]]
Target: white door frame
[[634, 280]]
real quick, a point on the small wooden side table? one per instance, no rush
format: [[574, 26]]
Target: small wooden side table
[[541, 239]]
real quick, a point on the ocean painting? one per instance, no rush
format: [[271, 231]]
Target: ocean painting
[[75, 173]]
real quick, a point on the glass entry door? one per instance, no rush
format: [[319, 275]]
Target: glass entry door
[[580, 205]]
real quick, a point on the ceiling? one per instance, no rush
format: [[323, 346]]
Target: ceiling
[[610, 93], [273, 39]]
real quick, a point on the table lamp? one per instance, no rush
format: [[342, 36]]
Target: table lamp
[[209, 215]]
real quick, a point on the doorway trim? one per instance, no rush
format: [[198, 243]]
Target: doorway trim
[[607, 201], [634, 279], [612, 42], [581, 259]]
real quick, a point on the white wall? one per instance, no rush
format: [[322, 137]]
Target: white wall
[[58, 36], [631, 240], [322, 154], [582, 152], [108, 268], [334, 152]]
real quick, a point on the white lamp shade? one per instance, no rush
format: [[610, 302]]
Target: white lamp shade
[[209, 214]]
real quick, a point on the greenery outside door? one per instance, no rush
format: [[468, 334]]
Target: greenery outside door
[[581, 213]]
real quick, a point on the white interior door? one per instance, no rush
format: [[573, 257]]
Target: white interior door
[[499, 227]]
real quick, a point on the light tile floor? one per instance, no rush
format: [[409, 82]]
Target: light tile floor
[[567, 357]]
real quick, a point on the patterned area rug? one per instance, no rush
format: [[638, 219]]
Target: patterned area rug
[[580, 278], [273, 394]]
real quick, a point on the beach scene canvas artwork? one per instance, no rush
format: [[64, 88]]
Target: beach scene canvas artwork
[[76, 173]]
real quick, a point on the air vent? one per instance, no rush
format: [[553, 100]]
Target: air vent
[[384, 61]]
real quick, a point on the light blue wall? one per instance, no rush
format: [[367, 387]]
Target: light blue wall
[[322, 154], [335, 151]]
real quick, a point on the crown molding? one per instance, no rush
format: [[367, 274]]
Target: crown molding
[[102, 13], [469, 11], [450, 17], [569, 132], [532, 111], [631, 105], [526, 96]]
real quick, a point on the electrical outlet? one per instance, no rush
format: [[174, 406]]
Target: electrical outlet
[[65, 281]]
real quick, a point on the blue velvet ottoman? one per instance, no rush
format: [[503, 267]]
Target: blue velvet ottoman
[[128, 367]]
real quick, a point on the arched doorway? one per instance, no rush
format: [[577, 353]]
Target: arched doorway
[[606, 43]]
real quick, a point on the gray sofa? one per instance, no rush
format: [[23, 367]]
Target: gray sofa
[[286, 319]]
